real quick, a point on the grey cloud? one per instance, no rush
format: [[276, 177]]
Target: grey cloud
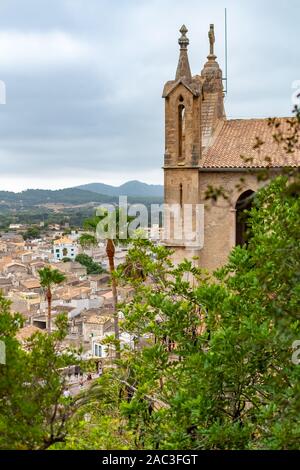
[[103, 114]]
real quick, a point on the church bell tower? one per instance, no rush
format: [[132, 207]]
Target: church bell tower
[[183, 147], [194, 114]]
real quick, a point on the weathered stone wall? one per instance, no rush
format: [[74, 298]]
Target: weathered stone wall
[[220, 217], [192, 127], [181, 187]]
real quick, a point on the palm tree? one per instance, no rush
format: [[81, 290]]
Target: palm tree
[[48, 278], [90, 240], [110, 252]]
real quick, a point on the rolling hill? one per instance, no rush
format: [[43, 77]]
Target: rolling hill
[[73, 205], [34, 197], [137, 193], [131, 188]]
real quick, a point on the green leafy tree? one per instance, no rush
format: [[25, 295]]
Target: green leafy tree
[[87, 240], [98, 422], [212, 366], [33, 412], [32, 233], [217, 370], [50, 277], [92, 266]]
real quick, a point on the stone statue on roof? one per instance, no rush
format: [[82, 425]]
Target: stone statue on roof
[[211, 36]]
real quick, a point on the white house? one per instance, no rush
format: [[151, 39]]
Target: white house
[[98, 349], [64, 248]]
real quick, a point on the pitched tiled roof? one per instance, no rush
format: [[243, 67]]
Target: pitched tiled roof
[[31, 283], [98, 320], [63, 241], [237, 137], [27, 331]]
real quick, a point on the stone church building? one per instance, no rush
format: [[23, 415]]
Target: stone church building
[[203, 149]]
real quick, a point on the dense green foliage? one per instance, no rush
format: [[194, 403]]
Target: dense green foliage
[[74, 216], [33, 412], [91, 266], [217, 372], [72, 205], [216, 368], [98, 423], [32, 233], [213, 365], [72, 196], [229, 381]]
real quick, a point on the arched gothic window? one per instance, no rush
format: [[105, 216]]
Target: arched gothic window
[[243, 205], [181, 132]]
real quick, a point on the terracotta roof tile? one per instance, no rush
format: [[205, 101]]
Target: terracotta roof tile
[[237, 137], [98, 320], [63, 241], [27, 331], [31, 283]]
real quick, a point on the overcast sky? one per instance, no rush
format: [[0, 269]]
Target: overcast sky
[[84, 80]]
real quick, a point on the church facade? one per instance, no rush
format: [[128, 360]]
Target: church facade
[[204, 150]]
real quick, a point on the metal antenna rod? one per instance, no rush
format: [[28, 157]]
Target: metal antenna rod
[[226, 76]]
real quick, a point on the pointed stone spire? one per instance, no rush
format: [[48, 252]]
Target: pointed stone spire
[[183, 68]]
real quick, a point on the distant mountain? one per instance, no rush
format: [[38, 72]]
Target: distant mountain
[[33, 197], [131, 188], [69, 197]]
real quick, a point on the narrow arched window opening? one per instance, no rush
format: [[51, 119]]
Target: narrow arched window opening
[[180, 195], [181, 132], [243, 206]]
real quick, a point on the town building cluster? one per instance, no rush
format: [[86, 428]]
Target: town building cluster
[[85, 298]]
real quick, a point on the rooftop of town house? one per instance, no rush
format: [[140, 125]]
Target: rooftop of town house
[[63, 241], [31, 283], [27, 331]]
